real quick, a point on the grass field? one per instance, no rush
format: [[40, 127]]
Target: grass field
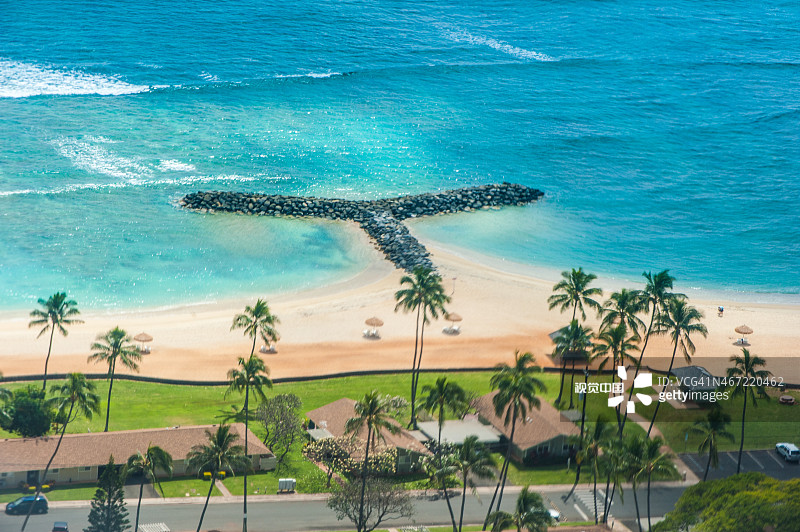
[[73, 492]]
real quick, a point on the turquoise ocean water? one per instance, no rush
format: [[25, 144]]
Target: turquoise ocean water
[[665, 135]]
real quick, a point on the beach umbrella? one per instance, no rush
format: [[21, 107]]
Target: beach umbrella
[[374, 322], [142, 338], [452, 316], [743, 329]]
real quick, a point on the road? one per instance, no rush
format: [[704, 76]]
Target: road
[[285, 515]]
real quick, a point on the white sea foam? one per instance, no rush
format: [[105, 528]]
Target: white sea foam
[[209, 77], [96, 158], [461, 35], [316, 75], [172, 165], [21, 80]]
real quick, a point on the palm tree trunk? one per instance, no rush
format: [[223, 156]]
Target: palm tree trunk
[[636, 503], [594, 475], [508, 457], [708, 464], [649, 524], [571, 384], [110, 385], [417, 371], [639, 365], [47, 467], [658, 403], [360, 525], [463, 500], [139, 504], [609, 498], [252, 352], [496, 490], [580, 446], [413, 372], [741, 438], [47, 360], [563, 373], [449, 506], [210, 489], [246, 431]]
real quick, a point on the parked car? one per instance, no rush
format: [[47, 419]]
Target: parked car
[[60, 526], [23, 504], [789, 451]]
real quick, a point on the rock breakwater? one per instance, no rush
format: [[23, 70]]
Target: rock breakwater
[[381, 219]]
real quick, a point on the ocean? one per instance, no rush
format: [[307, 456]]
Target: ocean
[[664, 135]]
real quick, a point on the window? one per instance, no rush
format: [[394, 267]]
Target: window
[[54, 470], [87, 469], [3, 475]]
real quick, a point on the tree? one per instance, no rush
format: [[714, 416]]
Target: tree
[[744, 369], [653, 461], [251, 374], [472, 460], [381, 502], [372, 412], [27, 413], [530, 513], [257, 322], [147, 465], [632, 465], [680, 321], [55, 314], [220, 454], [443, 396], [591, 450], [283, 423], [423, 292], [710, 430], [573, 292], [615, 344], [108, 513], [74, 398], [111, 347], [622, 308], [441, 471], [574, 343], [516, 387], [336, 455]]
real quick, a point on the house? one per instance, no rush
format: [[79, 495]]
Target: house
[[328, 422], [82, 457], [697, 382], [455, 431], [545, 431]]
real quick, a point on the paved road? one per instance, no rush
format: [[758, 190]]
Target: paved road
[[314, 515], [768, 462]]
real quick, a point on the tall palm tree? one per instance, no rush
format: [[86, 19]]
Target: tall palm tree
[[680, 322], [373, 412], [517, 387], [443, 396], [251, 374], [632, 464], [472, 460], [614, 465], [147, 465], [623, 307], [745, 367], [574, 342], [220, 454], [616, 346], [653, 299], [56, 313], [257, 322], [711, 429], [72, 399], [111, 347], [654, 461], [424, 293], [573, 291], [591, 450], [530, 513]]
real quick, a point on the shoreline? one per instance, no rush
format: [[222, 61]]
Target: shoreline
[[321, 328]]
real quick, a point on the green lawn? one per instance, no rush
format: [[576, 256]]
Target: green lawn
[[187, 487], [310, 479], [521, 475], [73, 492]]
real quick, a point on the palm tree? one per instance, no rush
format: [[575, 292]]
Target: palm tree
[[591, 450], [616, 346], [623, 307], [680, 321], [372, 412], [530, 513], [443, 396], [516, 387], [110, 347], [219, 454], [574, 342], [631, 463], [257, 321], [614, 465], [573, 292], [745, 367], [55, 313], [472, 460], [251, 373], [711, 429], [423, 292], [654, 299], [147, 465], [653, 461], [74, 398]]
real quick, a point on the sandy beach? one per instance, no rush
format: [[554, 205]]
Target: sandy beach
[[321, 329]]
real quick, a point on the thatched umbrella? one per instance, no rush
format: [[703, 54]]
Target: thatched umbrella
[[142, 338], [452, 317], [743, 329], [374, 322]]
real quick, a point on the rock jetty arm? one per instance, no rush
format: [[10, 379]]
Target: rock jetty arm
[[381, 219]]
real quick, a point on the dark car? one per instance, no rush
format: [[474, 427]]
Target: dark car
[[60, 526], [23, 504]]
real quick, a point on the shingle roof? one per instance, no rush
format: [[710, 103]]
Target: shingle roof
[[334, 416], [540, 425], [92, 449]]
